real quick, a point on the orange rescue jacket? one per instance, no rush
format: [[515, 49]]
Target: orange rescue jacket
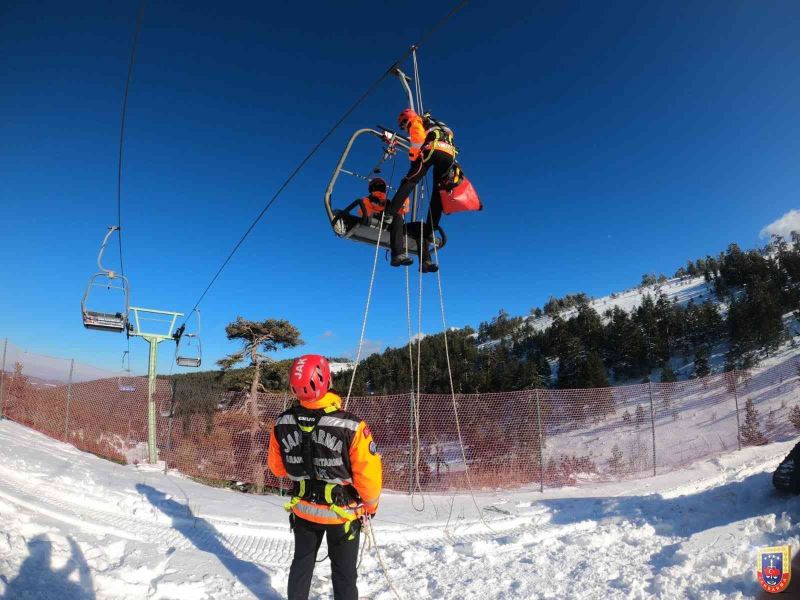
[[376, 202], [365, 464]]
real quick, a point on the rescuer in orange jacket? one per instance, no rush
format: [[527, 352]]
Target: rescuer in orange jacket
[[374, 202], [431, 146], [332, 459]]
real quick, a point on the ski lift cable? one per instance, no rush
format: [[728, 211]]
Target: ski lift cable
[[372, 87], [137, 30]]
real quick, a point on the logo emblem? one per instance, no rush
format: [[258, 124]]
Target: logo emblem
[[774, 568]]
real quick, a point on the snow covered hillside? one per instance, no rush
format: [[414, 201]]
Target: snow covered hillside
[[679, 290], [75, 526]]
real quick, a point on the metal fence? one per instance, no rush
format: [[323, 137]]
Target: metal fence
[[539, 438]]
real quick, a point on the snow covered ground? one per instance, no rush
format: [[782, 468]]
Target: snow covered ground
[[75, 526]]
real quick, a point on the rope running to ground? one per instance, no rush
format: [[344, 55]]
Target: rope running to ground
[[372, 87], [371, 535], [366, 311], [453, 397], [369, 297], [416, 451]]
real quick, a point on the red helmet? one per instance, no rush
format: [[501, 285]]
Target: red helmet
[[377, 184], [310, 377], [406, 117]]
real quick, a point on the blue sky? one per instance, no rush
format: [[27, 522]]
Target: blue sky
[[606, 140]]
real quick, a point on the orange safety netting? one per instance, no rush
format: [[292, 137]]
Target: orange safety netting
[[539, 438]]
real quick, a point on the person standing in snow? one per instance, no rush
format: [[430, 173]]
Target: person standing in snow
[[332, 460]]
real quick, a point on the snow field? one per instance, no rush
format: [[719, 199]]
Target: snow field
[[75, 526]]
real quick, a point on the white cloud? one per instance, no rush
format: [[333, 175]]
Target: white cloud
[[783, 226], [368, 348], [327, 334]]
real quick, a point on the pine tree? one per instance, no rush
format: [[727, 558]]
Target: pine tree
[[668, 374], [616, 463], [771, 420], [256, 338], [794, 417], [701, 368], [640, 416], [19, 382], [751, 431]]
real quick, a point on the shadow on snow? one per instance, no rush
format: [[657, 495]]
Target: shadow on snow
[[37, 578], [206, 538]]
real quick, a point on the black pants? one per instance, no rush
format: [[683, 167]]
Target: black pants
[[441, 163], [342, 552]]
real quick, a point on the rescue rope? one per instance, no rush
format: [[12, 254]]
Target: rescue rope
[[417, 451], [366, 309], [453, 396], [371, 535]]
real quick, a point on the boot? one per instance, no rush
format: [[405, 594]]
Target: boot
[[402, 260], [428, 266]]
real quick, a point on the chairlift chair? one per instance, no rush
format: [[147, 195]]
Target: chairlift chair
[[106, 278], [167, 410], [353, 227], [188, 350]]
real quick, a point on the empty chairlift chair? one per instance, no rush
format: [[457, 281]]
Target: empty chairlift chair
[[188, 350], [106, 319]]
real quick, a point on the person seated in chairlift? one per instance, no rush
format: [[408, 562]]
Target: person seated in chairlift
[[375, 200]]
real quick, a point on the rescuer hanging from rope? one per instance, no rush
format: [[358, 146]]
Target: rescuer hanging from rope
[[431, 145], [330, 456]]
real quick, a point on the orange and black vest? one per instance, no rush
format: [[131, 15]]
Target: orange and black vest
[[331, 457], [376, 202]]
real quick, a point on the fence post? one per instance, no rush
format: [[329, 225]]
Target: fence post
[[411, 465], [3, 381], [541, 447], [652, 424], [736, 401], [69, 398]]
